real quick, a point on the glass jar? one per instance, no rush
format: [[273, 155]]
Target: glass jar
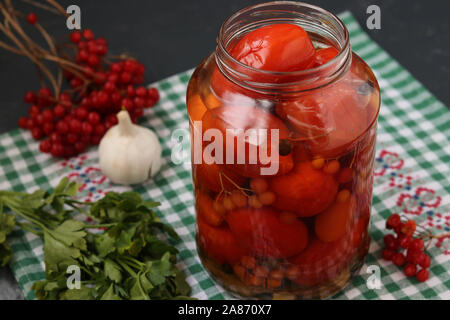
[[283, 160]]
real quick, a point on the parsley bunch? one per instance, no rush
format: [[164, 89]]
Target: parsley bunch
[[129, 260]]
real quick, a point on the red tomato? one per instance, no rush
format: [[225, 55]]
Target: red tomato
[[219, 244], [305, 190], [279, 47], [329, 119], [229, 118], [321, 261], [303, 115], [265, 235], [324, 55], [208, 176]]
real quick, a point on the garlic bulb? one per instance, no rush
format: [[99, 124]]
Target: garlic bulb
[[129, 153]]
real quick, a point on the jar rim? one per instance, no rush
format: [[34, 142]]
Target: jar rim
[[333, 65]]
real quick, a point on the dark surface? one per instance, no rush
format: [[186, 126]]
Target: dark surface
[[170, 37]]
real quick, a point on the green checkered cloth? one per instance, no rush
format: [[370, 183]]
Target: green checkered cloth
[[411, 176]]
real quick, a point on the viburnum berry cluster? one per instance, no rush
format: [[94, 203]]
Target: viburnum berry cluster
[[405, 250], [70, 120], [79, 117]]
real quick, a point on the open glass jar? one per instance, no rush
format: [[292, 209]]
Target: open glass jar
[[283, 160]]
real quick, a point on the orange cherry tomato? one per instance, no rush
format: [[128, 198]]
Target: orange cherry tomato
[[197, 108], [324, 55], [205, 208], [229, 118], [219, 243], [279, 47], [321, 261], [263, 233], [209, 176], [334, 222], [305, 190]]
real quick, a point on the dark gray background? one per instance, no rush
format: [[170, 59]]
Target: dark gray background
[[171, 36]]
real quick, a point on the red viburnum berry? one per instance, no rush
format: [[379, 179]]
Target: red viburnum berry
[[88, 34], [391, 242], [86, 128], [130, 91], [72, 138], [23, 122], [393, 221], [47, 115], [399, 259], [138, 102], [80, 146], [30, 97], [75, 126], [115, 67], [57, 150], [81, 113], [62, 127], [153, 94], [404, 241], [93, 118], [409, 227], [141, 92], [33, 110], [112, 77], [37, 133], [127, 103], [48, 128], [99, 129], [410, 270], [413, 256], [93, 60], [422, 275], [125, 77], [32, 18], [45, 146], [95, 139], [425, 261], [59, 111], [416, 244], [75, 36], [55, 137], [109, 87], [388, 254], [30, 123]]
